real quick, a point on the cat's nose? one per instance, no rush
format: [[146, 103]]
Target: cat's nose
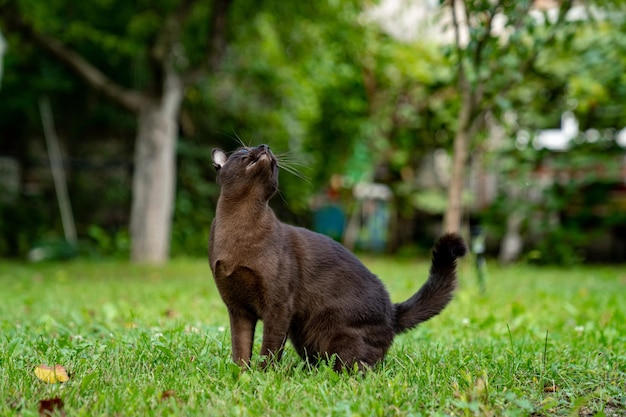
[[263, 147]]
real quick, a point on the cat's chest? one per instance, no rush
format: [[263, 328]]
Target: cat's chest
[[235, 248], [240, 286], [237, 243]]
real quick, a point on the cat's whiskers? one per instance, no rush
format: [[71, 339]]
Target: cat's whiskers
[[290, 159], [291, 162], [288, 166], [236, 138], [243, 144]]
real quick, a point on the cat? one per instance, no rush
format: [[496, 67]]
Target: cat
[[303, 285]]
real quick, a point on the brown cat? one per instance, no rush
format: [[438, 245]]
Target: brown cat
[[301, 284]]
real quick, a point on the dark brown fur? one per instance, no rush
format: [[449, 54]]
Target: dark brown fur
[[301, 284]]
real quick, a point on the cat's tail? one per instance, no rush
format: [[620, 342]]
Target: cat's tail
[[437, 292]]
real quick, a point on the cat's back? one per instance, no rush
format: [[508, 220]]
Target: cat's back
[[341, 307], [327, 261]]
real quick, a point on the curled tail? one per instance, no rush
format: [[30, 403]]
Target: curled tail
[[437, 292]]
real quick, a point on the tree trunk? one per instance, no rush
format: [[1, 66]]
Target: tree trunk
[[153, 186], [454, 213], [155, 174]]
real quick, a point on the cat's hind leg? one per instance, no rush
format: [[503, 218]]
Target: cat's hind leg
[[276, 321], [352, 351]]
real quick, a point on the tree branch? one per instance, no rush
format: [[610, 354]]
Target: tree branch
[[526, 65], [530, 61], [478, 92], [216, 46], [161, 52], [465, 89], [459, 49], [127, 98], [170, 33], [217, 40], [480, 43], [522, 15]]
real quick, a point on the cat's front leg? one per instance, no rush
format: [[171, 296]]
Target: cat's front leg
[[242, 337]]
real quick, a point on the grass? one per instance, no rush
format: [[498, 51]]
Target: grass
[[152, 341]]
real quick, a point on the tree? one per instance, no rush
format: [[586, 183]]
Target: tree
[[158, 40], [489, 64], [581, 72]]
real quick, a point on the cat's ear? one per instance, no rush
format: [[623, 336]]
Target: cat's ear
[[219, 158]]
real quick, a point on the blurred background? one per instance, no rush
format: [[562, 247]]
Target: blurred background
[[504, 120]]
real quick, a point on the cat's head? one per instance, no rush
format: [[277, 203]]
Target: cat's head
[[247, 172]]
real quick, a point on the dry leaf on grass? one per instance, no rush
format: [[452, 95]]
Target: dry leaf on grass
[[169, 395], [550, 388], [51, 375], [50, 406]]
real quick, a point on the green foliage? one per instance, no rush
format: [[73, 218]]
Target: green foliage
[[560, 219], [106, 244], [541, 341], [580, 68], [24, 222], [117, 36], [315, 81], [591, 86], [193, 211]]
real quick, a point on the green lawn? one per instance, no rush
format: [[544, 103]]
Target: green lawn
[[154, 341]]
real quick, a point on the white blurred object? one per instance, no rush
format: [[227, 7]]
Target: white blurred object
[[558, 139], [621, 138], [3, 49]]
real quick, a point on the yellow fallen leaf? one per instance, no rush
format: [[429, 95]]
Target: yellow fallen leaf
[[51, 375]]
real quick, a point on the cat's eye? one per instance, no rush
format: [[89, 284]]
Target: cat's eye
[[243, 150]]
